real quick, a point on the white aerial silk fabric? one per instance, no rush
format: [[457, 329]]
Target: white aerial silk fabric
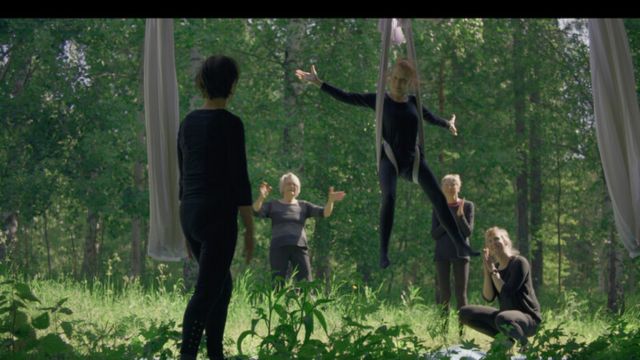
[[617, 124], [392, 32], [166, 241]]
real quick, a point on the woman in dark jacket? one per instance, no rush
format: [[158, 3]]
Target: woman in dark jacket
[[445, 255]]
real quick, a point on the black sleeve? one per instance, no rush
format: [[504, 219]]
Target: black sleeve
[[430, 117], [519, 271], [238, 163], [465, 223], [437, 230], [179, 164], [366, 100]]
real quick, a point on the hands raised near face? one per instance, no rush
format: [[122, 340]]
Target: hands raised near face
[[265, 189], [460, 211], [335, 195], [486, 261], [311, 77]]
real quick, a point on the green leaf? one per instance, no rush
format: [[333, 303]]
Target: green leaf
[[21, 327], [52, 344], [308, 325], [321, 319], [24, 292], [241, 338], [67, 327], [307, 307], [322, 302], [61, 301], [41, 322], [65, 310], [280, 310]]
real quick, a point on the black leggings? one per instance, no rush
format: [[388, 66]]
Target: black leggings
[[490, 321], [212, 238], [429, 184], [298, 256], [460, 279]]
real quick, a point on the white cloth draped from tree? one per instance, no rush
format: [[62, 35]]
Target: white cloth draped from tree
[[617, 124], [166, 241]]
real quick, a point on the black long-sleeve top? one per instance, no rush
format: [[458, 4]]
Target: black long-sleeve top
[[445, 249], [212, 158], [399, 120], [517, 292]]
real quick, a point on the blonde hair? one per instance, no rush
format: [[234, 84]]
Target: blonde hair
[[504, 235], [454, 178], [295, 180], [408, 68]]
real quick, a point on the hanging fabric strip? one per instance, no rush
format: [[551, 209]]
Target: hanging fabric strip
[[617, 124], [166, 241], [385, 28], [411, 50]]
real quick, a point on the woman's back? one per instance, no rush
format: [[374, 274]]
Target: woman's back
[[211, 154]]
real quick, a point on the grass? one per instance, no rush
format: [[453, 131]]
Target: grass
[[108, 317]]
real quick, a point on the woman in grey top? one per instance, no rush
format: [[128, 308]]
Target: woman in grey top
[[288, 215]]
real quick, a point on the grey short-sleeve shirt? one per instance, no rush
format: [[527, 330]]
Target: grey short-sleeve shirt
[[287, 221]]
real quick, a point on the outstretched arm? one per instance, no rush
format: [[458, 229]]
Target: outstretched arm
[[430, 117], [332, 197], [366, 100], [265, 189]]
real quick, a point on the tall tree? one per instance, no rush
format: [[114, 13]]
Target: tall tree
[[519, 104]]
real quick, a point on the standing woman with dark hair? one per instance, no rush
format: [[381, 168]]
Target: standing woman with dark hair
[[214, 187], [399, 131]]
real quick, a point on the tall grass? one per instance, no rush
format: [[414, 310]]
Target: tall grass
[[123, 319]]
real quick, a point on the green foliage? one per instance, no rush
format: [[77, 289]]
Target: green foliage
[[287, 312], [46, 332], [21, 323], [290, 314]]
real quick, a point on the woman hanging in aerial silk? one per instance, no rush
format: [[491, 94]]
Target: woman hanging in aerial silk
[[400, 120]]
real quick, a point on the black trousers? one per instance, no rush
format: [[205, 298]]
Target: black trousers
[[460, 281], [490, 321], [388, 183], [211, 234], [280, 257]]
